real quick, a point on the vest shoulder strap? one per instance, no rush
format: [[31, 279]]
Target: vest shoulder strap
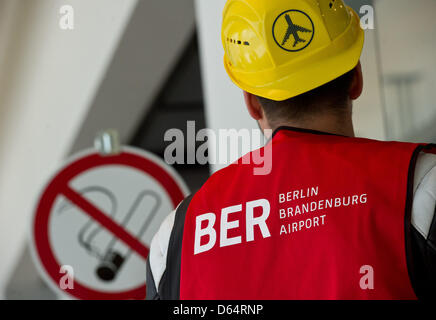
[[430, 148], [420, 253], [169, 286]]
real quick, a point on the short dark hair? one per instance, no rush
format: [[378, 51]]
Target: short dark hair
[[330, 97]]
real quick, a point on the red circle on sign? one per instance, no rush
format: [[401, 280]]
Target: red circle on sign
[[60, 182]]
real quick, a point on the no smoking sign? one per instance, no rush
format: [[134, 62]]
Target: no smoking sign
[[98, 214]]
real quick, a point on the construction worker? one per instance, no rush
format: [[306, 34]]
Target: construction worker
[[338, 217]]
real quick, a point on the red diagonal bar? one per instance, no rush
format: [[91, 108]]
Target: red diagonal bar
[[113, 227]]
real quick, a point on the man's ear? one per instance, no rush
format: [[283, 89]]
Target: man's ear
[[253, 106], [357, 84]]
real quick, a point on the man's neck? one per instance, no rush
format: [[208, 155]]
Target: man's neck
[[329, 124]]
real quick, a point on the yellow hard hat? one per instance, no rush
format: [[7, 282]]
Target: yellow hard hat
[[279, 49]]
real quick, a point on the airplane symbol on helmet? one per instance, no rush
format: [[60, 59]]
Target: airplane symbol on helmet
[[294, 29]]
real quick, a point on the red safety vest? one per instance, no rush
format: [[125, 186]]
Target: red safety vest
[[330, 221]]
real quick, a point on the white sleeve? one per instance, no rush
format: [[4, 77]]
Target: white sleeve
[[424, 200], [159, 248]]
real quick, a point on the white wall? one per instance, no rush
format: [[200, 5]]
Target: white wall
[[224, 102], [48, 78], [408, 47], [151, 45]]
